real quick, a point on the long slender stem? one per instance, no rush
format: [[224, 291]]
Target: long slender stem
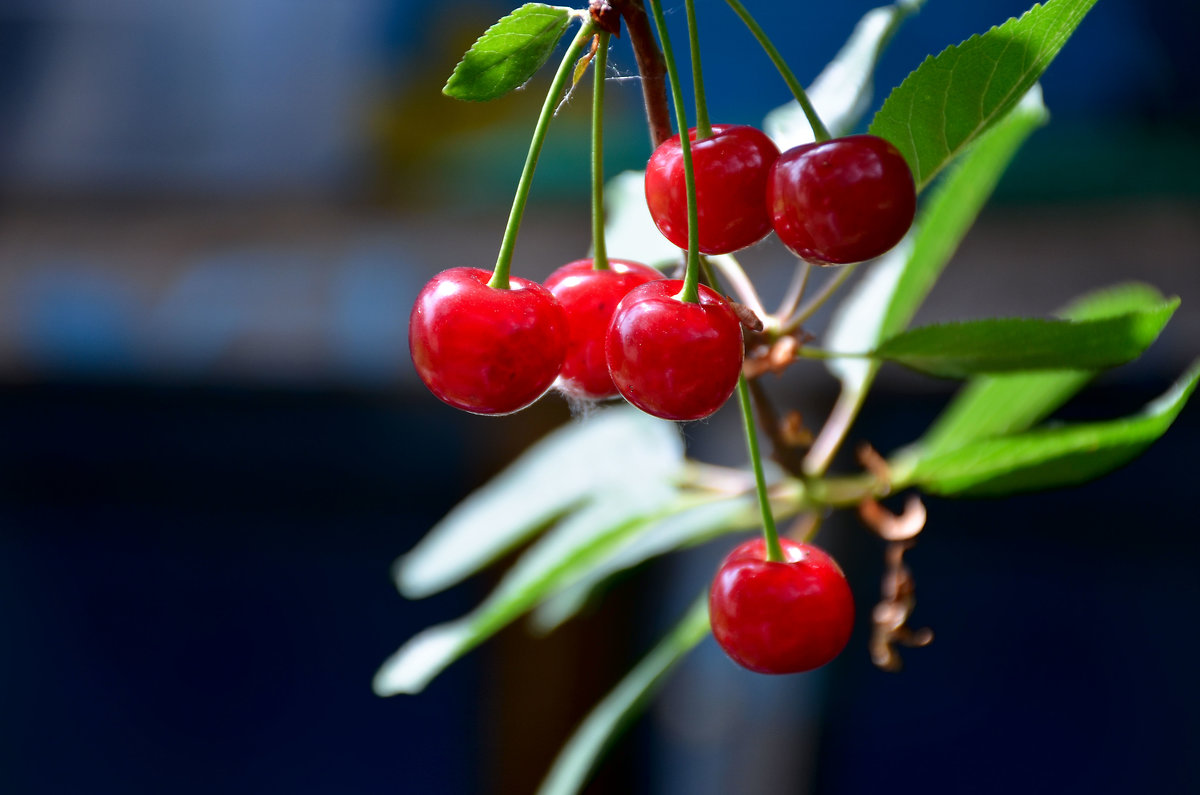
[[703, 127], [820, 131], [795, 291], [499, 278], [599, 249], [650, 66], [770, 534], [691, 277], [827, 290]]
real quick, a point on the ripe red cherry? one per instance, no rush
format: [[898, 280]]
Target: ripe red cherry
[[589, 296], [840, 201], [482, 349], [780, 617], [670, 358], [731, 169]]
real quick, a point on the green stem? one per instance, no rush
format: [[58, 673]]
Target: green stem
[[703, 128], [499, 278], [770, 534], [820, 353], [599, 250], [827, 290], [820, 131], [691, 277]]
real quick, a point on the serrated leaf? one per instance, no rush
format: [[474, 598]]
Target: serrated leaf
[[565, 553], [886, 298], [614, 447], [842, 92], [997, 405], [1045, 458], [958, 350], [602, 725], [954, 97], [508, 53]]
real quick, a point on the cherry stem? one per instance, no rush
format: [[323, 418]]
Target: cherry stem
[[817, 301], [599, 249], [770, 534], [703, 128], [820, 131], [499, 278], [691, 277]]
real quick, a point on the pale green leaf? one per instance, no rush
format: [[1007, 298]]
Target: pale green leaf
[[958, 350], [612, 448], [1003, 404], [953, 98], [1045, 458], [606, 720], [563, 554], [508, 53]]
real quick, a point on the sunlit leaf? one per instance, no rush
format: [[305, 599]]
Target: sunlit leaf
[[563, 554], [613, 447], [953, 98], [996, 405], [508, 53], [958, 350], [1045, 458], [655, 537], [602, 726], [842, 92]]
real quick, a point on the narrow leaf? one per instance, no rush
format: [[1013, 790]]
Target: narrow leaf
[[1046, 458], [842, 92], [958, 350], [614, 447], [1004, 404], [600, 729], [953, 98], [557, 559], [508, 53], [656, 537]]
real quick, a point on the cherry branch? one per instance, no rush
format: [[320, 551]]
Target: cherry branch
[[650, 66]]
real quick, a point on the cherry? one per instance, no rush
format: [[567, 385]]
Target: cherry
[[780, 617], [671, 358], [589, 296], [839, 201], [484, 349], [731, 168]]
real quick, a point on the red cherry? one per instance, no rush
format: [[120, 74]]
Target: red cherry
[[731, 169], [482, 349], [670, 358], [839, 201], [780, 617], [589, 296]]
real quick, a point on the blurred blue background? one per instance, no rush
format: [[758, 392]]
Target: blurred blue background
[[214, 218]]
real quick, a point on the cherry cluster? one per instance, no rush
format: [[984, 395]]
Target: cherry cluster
[[596, 330]]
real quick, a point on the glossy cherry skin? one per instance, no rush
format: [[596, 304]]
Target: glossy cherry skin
[[589, 296], [841, 201], [673, 359], [482, 349], [780, 617], [731, 169]]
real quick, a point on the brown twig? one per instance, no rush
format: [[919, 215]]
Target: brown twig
[[650, 66]]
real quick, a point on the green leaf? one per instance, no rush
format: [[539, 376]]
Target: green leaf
[[614, 448], [842, 92], [508, 53], [565, 553], [884, 301], [1045, 458], [596, 734], [951, 99], [958, 350], [655, 537], [1004, 404]]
